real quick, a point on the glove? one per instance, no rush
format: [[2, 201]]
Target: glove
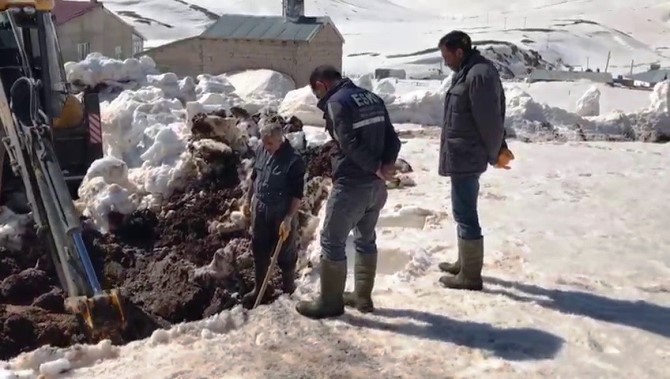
[[285, 228], [504, 158], [246, 209]]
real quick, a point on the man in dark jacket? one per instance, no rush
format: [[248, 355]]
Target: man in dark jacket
[[473, 136], [272, 202], [368, 148]]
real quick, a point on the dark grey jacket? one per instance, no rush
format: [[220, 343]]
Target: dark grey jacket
[[473, 130], [278, 177]]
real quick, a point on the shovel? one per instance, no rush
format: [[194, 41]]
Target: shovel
[[273, 262]]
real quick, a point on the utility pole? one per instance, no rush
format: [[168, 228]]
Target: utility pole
[[609, 55], [632, 61], [587, 63]]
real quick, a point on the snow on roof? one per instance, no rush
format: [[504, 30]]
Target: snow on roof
[[652, 76], [236, 26], [66, 10], [569, 76]]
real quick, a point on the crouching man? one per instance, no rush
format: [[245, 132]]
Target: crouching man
[[272, 203], [368, 147]]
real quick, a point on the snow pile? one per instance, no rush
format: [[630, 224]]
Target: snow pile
[[261, 88], [301, 103], [424, 107], [146, 159], [589, 103], [183, 89], [213, 84], [654, 122], [531, 121], [365, 81], [12, 227], [385, 86], [97, 69]]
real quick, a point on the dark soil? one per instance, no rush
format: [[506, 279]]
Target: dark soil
[[152, 258]]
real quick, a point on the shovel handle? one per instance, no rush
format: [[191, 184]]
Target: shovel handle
[[273, 262]]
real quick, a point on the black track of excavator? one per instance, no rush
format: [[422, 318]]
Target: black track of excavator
[[26, 116]]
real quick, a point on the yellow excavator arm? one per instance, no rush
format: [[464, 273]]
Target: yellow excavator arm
[[32, 115], [40, 5]]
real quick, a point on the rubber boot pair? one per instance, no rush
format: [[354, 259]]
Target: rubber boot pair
[[466, 272], [330, 302], [261, 269]]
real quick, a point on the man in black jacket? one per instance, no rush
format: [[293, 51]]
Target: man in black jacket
[[473, 136], [368, 148]]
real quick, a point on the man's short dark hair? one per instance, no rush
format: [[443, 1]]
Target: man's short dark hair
[[456, 40], [324, 73]]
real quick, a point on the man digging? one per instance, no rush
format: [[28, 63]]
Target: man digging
[[272, 202]]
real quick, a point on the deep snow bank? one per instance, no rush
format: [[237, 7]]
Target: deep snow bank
[[257, 90], [97, 69]]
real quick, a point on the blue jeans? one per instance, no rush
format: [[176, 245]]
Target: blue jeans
[[464, 194], [354, 207]]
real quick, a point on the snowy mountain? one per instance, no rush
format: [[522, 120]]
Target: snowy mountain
[[404, 33]]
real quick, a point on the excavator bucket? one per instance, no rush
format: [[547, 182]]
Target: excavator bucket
[[103, 315]]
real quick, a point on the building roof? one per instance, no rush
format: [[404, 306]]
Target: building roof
[[569, 76], [277, 28], [653, 76], [66, 10]]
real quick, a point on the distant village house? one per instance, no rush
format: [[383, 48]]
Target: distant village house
[[292, 44], [569, 76], [84, 27], [649, 78]]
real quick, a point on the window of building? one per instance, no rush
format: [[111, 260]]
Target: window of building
[[83, 49], [118, 52], [138, 45]]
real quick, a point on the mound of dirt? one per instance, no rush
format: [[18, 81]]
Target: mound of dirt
[[187, 262]]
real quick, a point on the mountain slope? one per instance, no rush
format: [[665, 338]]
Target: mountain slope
[[573, 32]]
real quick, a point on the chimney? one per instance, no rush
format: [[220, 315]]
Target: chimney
[[293, 9]]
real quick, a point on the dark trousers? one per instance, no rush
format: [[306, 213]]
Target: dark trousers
[[354, 207], [464, 194], [265, 235]]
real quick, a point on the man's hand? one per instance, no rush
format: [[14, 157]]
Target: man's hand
[[285, 228], [386, 172], [504, 158], [246, 209]]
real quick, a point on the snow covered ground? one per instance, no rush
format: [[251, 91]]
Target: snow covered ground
[[579, 33], [577, 267]]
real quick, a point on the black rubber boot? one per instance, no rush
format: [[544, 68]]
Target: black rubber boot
[[260, 270], [330, 302], [451, 268], [288, 280], [471, 253], [365, 270]]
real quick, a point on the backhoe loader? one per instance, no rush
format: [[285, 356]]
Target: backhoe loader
[[49, 139]]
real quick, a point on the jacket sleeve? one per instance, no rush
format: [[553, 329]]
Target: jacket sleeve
[[296, 178], [349, 142], [391, 142], [485, 102]]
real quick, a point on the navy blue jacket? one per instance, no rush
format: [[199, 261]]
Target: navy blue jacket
[[358, 120]]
